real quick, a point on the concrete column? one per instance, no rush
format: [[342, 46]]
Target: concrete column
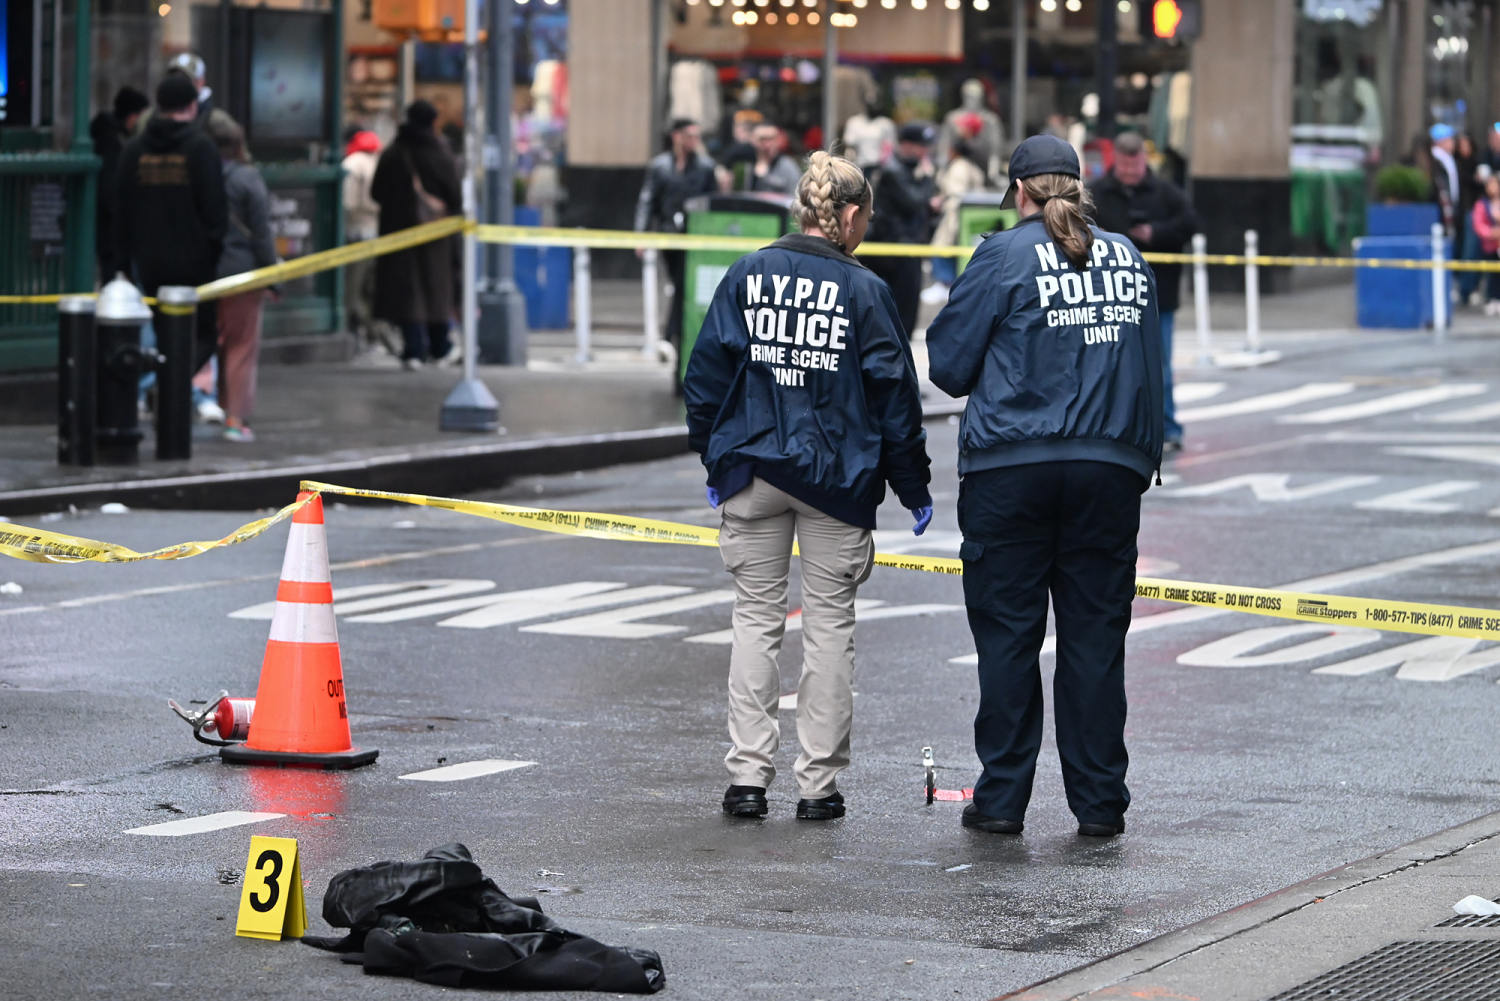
[[1411, 114], [1240, 163]]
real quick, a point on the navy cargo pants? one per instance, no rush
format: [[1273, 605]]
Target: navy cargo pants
[[1067, 529]]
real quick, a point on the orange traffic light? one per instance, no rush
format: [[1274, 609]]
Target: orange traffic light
[[1165, 17]]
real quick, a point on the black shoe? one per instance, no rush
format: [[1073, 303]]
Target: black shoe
[[745, 801], [827, 808], [990, 825], [1102, 830]]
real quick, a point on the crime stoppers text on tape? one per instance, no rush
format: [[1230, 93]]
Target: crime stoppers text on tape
[[1329, 609]]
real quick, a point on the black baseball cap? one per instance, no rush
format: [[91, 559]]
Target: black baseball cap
[[917, 132], [1040, 154]]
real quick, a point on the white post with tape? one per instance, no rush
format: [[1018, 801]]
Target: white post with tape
[[1439, 285], [1200, 298], [583, 302], [652, 289], [1252, 291]]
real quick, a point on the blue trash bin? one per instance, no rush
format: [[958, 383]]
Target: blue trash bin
[[545, 277], [1398, 298]]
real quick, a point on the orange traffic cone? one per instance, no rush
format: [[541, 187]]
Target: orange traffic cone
[[300, 715]]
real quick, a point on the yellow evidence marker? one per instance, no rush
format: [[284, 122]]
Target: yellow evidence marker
[[272, 906]]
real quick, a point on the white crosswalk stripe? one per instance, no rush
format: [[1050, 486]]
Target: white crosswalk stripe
[[1465, 415], [1268, 401], [1407, 400]]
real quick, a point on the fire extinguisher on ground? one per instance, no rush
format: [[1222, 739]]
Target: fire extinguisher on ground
[[222, 722]]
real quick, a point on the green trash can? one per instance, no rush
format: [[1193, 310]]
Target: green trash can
[[980, 213], [756, 215]]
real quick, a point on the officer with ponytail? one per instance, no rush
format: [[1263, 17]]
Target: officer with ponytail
[[1052, 334], [803, 401]]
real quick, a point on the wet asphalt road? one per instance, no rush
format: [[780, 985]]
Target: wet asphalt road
[[1263, 751]]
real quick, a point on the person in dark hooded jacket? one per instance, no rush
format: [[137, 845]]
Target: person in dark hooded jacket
[[110, 131], [172, 209], [1051, 333], [803, 402], [414, 288]]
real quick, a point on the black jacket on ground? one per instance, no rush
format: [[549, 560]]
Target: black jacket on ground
[[172, 212], [1160, 203], [440, 921], [109, 138], [801, 376], [415, 286], [903, 209]]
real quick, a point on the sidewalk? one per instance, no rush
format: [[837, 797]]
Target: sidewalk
[[1380, 929]]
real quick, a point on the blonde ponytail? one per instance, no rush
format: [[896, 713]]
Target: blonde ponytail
[[828, 184], [1065, 205]]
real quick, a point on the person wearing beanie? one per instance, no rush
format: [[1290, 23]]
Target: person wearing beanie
[[416, 181], [110, 131], [193, 67], [172, 209]]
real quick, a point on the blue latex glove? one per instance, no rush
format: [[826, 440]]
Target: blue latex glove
[[712, 495], [923, 515]]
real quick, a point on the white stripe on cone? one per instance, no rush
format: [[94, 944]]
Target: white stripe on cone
[[299, 622], [306, 555]]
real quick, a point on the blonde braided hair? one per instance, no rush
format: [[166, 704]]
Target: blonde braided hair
[[828, 184]]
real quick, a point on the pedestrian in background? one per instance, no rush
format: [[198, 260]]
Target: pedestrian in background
[[417, 182], [110, 131], [361, 222], [773, 171], [799, 446], [1133, 199], [961, 176], [683, 171], [1446, 184], [906, 197], [248, 245], [1485, 221], [195, 69], [1058, 440], [739, 156], [172, 213]]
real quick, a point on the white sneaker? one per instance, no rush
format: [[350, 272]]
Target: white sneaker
[[935, 294], [1492, 308], [210, 412]]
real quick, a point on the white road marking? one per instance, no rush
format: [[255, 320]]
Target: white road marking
[[1485, 455], [865, 610], [1273, 486], [1331, 582], [1435, 658], [1465, 415], [622, 623], [545, 602], [466, 770], [200, 825], [1408, 400], [1193, 392], [1269, 401], [1421, 500]]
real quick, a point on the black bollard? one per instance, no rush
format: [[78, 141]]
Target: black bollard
[[118, 316], [76, 360], [176, 320]]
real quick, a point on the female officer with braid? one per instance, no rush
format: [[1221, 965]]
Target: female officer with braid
[[802, 401]]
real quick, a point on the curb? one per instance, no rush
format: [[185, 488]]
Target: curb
[[439, 470], [1110, 972]]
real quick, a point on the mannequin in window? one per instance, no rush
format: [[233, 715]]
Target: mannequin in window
[[984, 147], [869, 137]]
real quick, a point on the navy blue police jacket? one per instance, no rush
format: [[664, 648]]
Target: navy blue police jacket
[[1058, 363], [801, 376]]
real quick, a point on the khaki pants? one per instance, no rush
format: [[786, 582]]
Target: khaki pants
[[760, 523]]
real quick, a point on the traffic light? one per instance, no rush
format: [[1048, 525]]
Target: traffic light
[[1172, 20]]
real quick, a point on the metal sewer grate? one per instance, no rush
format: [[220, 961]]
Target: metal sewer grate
[[1470, 921], [1410, 971]]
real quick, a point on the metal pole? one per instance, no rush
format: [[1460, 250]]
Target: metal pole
[[80, 217], [1107, 65], [830, 70], [651, 306], [502, 311], [1017, 71], [583, 306], [76, 395], [469, 405], [176, 320], [1200, 298], [1439, 285], [1252, 290]]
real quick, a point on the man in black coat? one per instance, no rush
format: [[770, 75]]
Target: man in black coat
[[672, 177], [905, 200], [172, 213], [110, 131], [1156, 215]]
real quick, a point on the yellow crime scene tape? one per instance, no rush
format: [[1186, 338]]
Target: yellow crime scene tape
[[41, 546]]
